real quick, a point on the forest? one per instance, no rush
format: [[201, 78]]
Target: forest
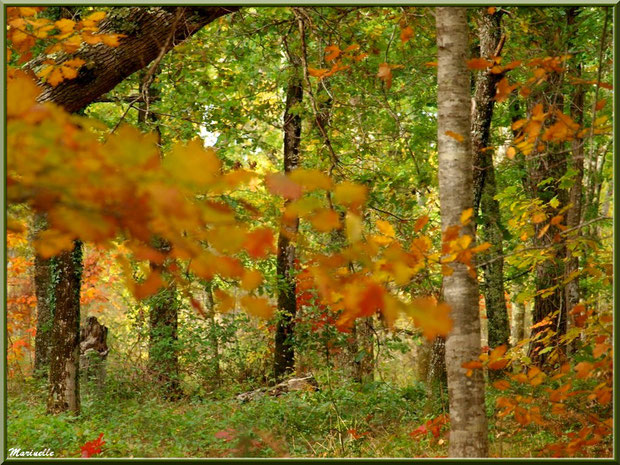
[[317, 232]]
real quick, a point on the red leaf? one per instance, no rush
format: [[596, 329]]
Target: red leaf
[[92, 447]]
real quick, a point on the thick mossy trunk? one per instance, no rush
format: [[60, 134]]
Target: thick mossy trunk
[[468, 423], [284, 356], [485, 188], [45, 305], [64, 392], [163, 341]]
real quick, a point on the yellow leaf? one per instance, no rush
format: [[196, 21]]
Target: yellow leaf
[[350, 194], [55, 77], [386, 228], [96, 16], [466, 216], [481, 248], [21, 94], [311, 179], [225, 302], [325, 220], [257, 306], [353, 224], [51, 242], [251, 279], [65, 25], [111, 40], [192, 165]]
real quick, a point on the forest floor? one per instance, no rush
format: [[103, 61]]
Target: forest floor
[[377, 420]]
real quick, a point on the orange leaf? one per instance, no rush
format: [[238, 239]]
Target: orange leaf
[[385, 74], [325, 220], [280, 184], [479, 63], [251, 279], [454, 135], [150, 286], [334, 52], [405, 34], [258, 306], [502, 385], [511, 152], [420, 223], [317, 72], [583, 370], [259, 243]]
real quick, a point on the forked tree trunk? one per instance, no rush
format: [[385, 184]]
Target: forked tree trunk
[[468, 423], [485, 188], [284, 356], [64, 392]]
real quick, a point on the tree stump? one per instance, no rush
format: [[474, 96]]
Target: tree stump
[[93, 352]]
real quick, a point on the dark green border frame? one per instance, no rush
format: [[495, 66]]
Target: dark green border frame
[[3, 343]]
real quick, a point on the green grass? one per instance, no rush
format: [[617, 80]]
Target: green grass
[[300, 424], [345, 421]]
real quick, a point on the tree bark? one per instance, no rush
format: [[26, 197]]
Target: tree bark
[[437, 376], [284, 357], [365, 357], [150, 33], [163, 339], [64, 393], [468, 424], [45, 302], [550, 298], [485, 188], [573, 214]]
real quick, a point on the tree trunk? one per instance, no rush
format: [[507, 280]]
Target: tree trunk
[[573, 215], [437, 376], [468, 424], [163, 340], [365, 358], [64, 393], [284, 357], [215, 342], [45, 302], [150, 33], [550, 298], [485, 187], [93, 353]]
